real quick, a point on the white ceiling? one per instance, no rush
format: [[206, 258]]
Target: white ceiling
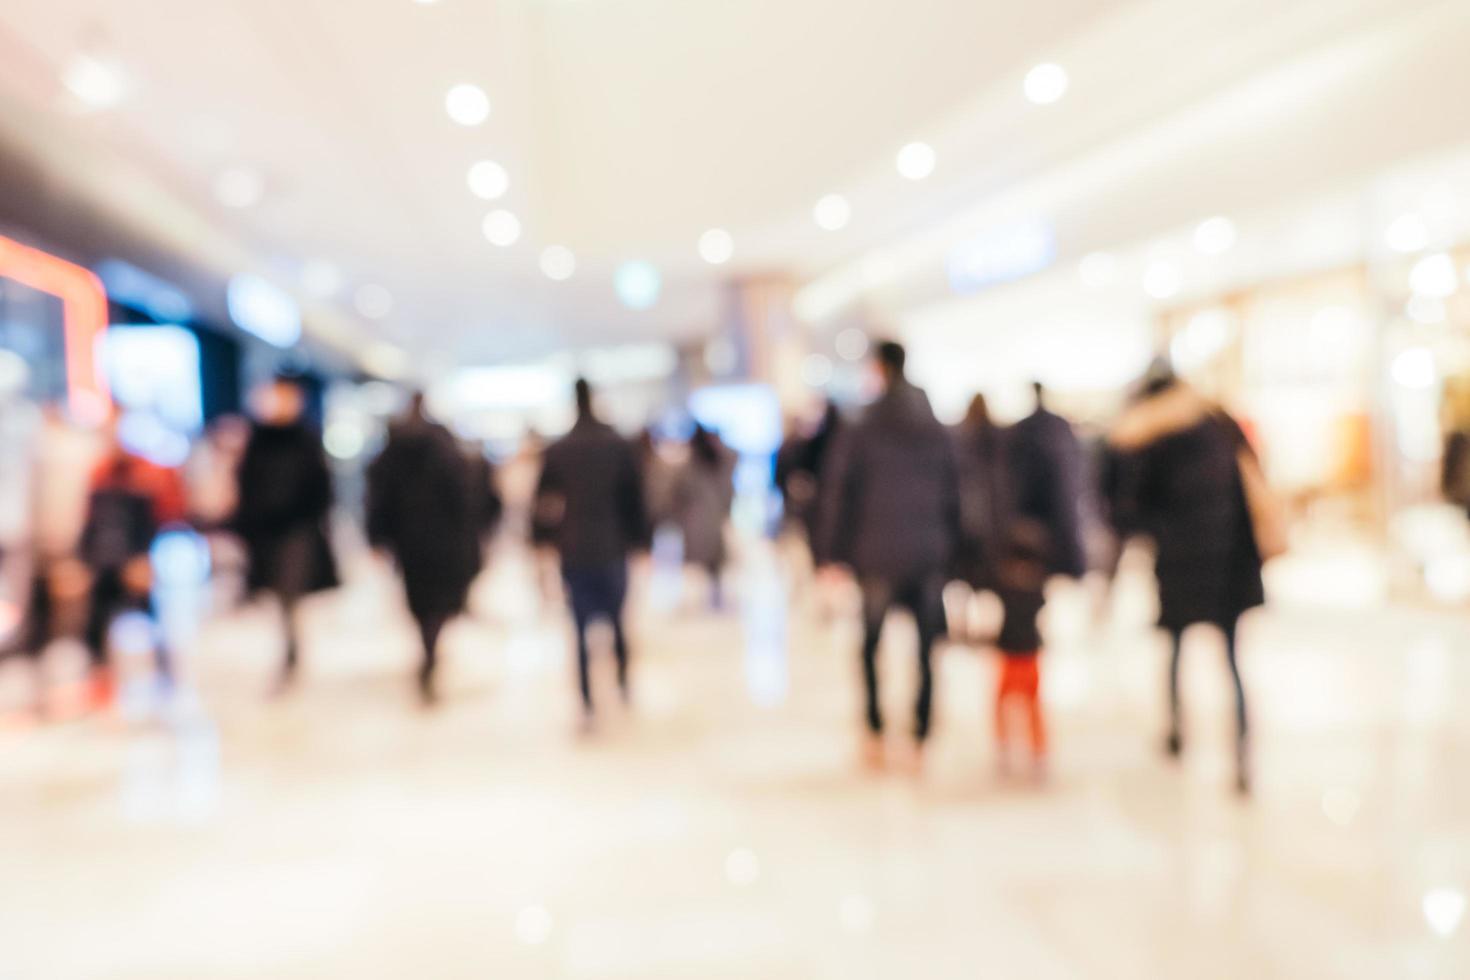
[[628, 127]]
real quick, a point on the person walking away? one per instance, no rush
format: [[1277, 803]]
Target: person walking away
[[425, 507], [131, 501], [284, 498], [980, 449], [1183, 462], [702, 499], [890, 512], [590, 498]]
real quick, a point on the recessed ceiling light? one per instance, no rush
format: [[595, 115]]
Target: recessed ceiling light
[[1434, 276], [637, 284], [488, 180], [467, 105], [832, 213], [915, 161], [716, 246], [373, 301], [1215, 236], [1046, 83], [96, 83], [558, 262], [501, 228], [239, 187]]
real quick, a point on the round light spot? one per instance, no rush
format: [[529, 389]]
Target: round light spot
[[1414, 368], [856, 913], [1046, 83], [832, 213], [534, 925], [637, 284], [915, 161], [467, 104], [742, 867], [1407, 233], [1215, 236], [1444, 909], [488, 180], [373, 301], [716, 246], [1161, 280], [501, 228], [816, 371], [558, 263], [239, 187], [1434, 276], [851, 344]]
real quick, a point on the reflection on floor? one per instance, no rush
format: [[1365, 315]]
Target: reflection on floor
[[723, 829]]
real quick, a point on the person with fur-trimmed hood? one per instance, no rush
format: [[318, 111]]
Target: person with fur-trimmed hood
[[1182, 460]]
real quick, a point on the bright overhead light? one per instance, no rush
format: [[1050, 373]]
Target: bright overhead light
[[1215, 236], [239, 187], [1444, 909], [94, 82], [373, 301], [321, 278], [1414, 368], [832, 213], [716, 246], [1046, 83], [1407, 233], [467, 104], [558, 262], [501, 228], [637, 284], [1161, 280], [915, 161], [1434, 276], [1097, 269], [488, 180]]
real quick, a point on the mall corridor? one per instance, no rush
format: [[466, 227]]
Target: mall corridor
[[724, 827]]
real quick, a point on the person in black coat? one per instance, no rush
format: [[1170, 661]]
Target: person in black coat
[[1180, 484], [284, 497], [890, 511], [590, 499], [424, 507], [1047, 473]]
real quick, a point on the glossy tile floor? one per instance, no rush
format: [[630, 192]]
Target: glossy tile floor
[[723, 828]]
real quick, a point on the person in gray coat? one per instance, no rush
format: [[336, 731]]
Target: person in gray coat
[[702, 495], [890, 511]]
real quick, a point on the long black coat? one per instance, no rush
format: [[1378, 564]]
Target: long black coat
[[285, 495], [1179, 483], [890, 505], [1046, 472], [590, 498], [424, 507]]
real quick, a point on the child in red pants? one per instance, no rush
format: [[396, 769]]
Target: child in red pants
[[1017, 697]]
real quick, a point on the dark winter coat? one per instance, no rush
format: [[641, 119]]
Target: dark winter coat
[[285, 495], [590, 497], [890, 504], [1047, 476], [984, 504], [1179, 483], [423, 507]]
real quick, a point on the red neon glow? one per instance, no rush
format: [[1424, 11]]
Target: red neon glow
[[84, 316]]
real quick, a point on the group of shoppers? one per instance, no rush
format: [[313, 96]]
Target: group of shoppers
[[909, 506]]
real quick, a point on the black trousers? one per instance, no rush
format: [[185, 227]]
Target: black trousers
[[111, 598], [923, 595], [1177, 648], [598, 593]]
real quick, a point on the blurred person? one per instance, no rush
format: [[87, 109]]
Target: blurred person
[[484, 485], [131, 500], [1048, 476], [427, 507], [659, 478], [1184, 485], [284, 497], [890, 512], [590, 499], [209, 474], [702, 495], [799, 464], [980, 447]]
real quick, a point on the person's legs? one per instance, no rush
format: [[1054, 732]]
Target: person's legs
[[107, 593], [617, 596], [877, 596], [926, 600], [1242, 728], [431, 624], [580, 588], [1030, 684], [1174, 740]]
